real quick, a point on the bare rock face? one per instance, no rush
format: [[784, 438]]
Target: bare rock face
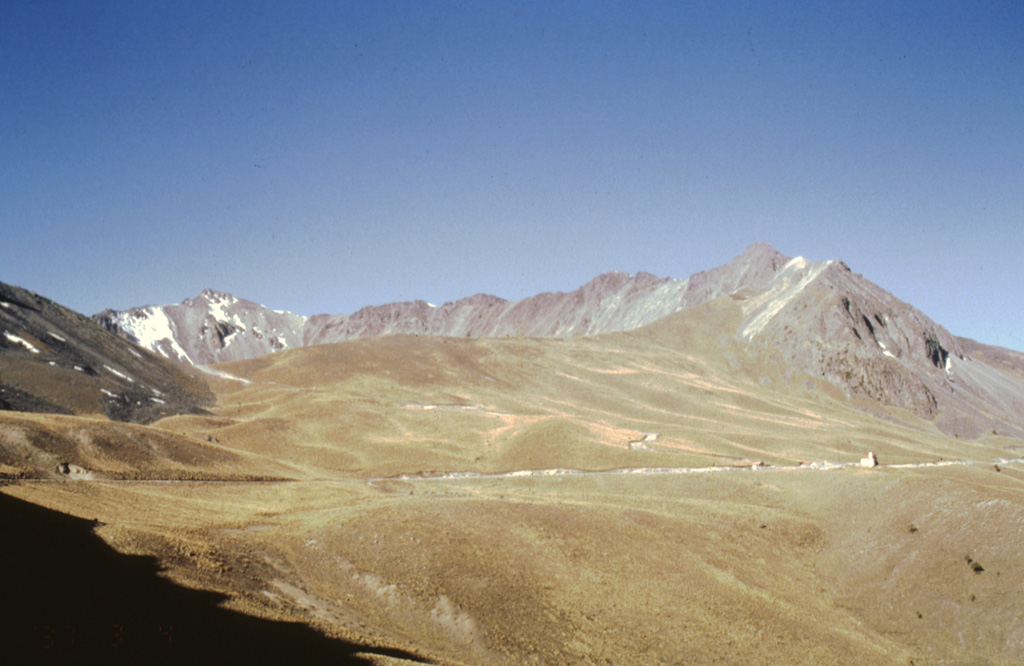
[[837, 325], [55, 360], [468, 317], [849, 331]]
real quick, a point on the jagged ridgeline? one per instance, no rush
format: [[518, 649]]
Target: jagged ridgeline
[[820, 317]]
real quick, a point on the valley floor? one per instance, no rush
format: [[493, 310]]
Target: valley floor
[[891, 565]]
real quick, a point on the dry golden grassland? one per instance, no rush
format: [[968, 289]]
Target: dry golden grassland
[[846, 566], [369, 544], [420, 404]]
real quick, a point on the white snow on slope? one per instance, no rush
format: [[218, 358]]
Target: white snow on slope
[[119, 374], [220, 373], [304, 318], [150, 327], [791, 279], [219, 304], [21, 341], [230, 337], [158, 327]]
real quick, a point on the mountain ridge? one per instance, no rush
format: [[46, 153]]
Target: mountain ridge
[[609, 302], [818, 316]]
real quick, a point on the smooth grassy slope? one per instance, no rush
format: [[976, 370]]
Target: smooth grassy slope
[[845, 566], [407, 404], [33, 446]]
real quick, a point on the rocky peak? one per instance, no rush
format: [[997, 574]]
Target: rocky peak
[[762, 254], [214, 326], [837, 325]]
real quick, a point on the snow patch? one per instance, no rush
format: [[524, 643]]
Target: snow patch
[[150, 327], [21, 341], [885, 350], [119, 374], [302, 318], [111, 394], [56, 337], [219, 304], [222, 374], [158, 400], [5, 304]]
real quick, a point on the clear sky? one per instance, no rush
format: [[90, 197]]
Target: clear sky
[[322, 156]]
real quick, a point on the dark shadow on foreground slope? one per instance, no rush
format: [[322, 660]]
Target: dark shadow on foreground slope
[[67, 597]]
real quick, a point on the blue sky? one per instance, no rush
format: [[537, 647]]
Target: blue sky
[[319, 157]]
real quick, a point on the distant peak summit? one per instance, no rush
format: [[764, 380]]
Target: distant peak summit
[[764, 253], [760, 246], [214, 295], [619, 279]]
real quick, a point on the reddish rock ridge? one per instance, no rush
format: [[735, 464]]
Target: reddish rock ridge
[[610, 302]]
